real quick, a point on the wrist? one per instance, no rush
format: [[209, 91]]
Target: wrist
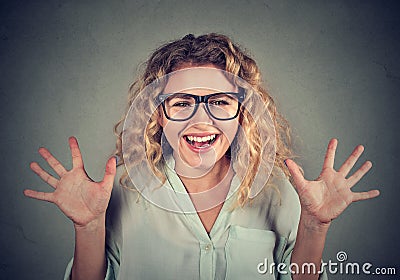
[[93, 226], [312, 224]]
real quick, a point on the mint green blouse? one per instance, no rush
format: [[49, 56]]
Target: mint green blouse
[[147, 242]]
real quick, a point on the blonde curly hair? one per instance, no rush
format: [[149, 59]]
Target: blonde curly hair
[[220, 51]]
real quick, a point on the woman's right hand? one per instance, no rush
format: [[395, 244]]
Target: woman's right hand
[[81, 199]]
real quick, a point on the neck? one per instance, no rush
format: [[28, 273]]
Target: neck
[[211, 189], [219, 174]]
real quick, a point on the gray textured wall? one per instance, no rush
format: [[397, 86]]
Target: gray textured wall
[[333, 67]]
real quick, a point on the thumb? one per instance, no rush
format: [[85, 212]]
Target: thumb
[[296, 174], [109, 174]]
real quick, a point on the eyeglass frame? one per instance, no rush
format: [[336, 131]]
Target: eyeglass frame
[[241, 95]]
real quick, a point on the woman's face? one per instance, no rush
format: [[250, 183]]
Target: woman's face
[[201, 141]]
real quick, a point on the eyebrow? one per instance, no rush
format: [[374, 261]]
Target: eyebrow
[[182, 95], [225, 94]]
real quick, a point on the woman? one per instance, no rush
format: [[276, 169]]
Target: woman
[[205, 149]]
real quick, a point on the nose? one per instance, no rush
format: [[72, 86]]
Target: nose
[[201, 115]]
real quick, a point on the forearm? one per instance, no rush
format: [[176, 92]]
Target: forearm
[[308, 249], [89, 256]]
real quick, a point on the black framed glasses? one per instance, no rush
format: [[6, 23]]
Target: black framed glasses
[[182, 106]]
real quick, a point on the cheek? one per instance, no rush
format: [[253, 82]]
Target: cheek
[[229, 128], [162, 120], [172, 132]]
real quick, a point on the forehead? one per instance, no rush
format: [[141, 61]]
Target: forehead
[[211, 79]]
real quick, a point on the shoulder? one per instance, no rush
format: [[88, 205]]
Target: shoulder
[[122, 197], [280, 204], [289, 199]]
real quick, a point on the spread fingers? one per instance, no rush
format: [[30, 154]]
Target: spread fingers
[[44, 175]]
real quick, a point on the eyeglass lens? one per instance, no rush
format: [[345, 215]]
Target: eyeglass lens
[[181, 106]]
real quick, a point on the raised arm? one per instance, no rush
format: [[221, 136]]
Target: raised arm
[[84, 202], [323, 200]]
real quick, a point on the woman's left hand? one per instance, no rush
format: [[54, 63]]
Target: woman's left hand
[[325, 198]]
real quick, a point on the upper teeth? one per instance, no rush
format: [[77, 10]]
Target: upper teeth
[[201, 139]]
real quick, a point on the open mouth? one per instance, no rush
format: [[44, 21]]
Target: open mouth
[[201, 141]]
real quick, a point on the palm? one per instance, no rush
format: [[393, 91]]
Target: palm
[[329, 195], [78, 197]]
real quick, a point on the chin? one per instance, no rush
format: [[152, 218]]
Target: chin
[[201, 161]]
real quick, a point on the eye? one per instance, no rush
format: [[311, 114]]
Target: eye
[[181, 104], [219, 102]]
